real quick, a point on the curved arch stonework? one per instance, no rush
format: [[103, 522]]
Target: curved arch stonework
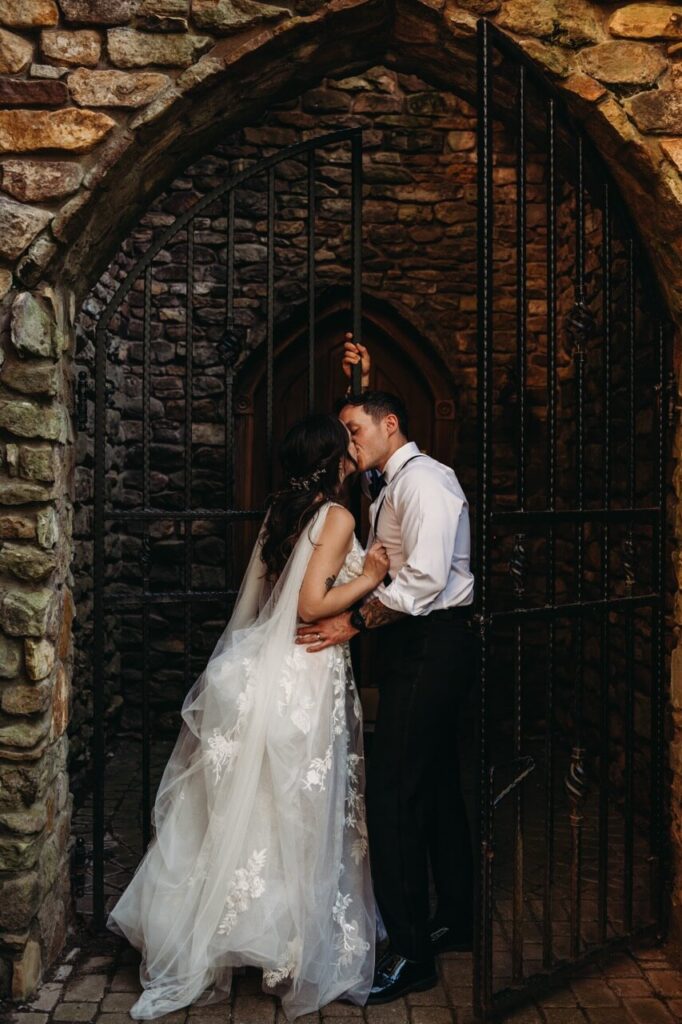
[[101, 104]]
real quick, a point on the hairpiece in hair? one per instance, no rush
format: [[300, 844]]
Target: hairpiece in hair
[[302, 483]]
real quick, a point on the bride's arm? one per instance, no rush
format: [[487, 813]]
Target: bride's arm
[[318, 597]]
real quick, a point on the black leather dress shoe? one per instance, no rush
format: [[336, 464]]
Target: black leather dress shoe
[[448, 940], [395, 976]]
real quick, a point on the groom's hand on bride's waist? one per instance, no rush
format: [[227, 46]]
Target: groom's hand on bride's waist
[[338, 628], [326, 632]]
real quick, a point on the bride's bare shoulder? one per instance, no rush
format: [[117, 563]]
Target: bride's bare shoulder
[[339, 522]]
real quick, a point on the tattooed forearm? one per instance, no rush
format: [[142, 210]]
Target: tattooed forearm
[[377, 614], [329, 583]]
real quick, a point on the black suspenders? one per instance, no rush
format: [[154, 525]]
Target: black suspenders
[[381, 503]]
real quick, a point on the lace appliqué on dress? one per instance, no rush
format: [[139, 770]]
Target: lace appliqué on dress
[[291, 702], [247, 884], [348, 940], [286, 968], [224, 747]]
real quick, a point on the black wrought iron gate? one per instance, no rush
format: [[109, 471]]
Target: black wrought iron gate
[[569, 512], [570, 551], [213, 334]]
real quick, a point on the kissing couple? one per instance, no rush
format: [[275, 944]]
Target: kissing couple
[[262, 830]]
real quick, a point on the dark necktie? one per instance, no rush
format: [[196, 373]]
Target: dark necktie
[[376, 483]]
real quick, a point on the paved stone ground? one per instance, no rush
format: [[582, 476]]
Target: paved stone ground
[[97, 981]]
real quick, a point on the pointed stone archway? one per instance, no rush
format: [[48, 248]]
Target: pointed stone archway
[[168, 95]]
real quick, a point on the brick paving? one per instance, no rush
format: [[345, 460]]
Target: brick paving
[[97, 980]]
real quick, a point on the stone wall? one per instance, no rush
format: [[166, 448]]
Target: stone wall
[[103, 103]]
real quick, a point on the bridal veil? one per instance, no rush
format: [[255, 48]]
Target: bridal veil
[[259, 847]]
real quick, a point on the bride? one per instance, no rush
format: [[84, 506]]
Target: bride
[[259, 848]]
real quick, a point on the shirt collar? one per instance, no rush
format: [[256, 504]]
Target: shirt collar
[[399, 457]]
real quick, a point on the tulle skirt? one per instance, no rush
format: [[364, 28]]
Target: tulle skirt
[[259, 854]]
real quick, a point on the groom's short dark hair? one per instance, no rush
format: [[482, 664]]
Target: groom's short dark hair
[[378, 404]]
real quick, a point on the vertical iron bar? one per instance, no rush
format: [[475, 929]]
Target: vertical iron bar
[[517, 902], [146, 554], [548, 879], [356, 242], [229, 394], [98, 652], [521, 289], [629, 636], [189, 396], [603, 857], [311, 278], [658, 648], [482, 958], [576, 816], [270, 323]]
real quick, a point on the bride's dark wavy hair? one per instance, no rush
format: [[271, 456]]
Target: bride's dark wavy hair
[[310, 455]]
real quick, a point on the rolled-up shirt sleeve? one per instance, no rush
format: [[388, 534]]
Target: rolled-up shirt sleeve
[[428, 517]]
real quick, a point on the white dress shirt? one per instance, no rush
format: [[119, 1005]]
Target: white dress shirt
[[424, 525]]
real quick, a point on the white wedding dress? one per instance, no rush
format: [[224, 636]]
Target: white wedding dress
[[259, 852]]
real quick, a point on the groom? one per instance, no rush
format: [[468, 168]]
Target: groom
[[415, 809]]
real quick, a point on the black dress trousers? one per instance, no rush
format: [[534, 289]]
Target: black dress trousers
[[415, 810]]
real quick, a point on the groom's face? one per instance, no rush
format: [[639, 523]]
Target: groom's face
[[371, 437]]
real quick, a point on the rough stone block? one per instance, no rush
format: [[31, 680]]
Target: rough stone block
[[15, 524], [81, 48], [31, 376], [47, 527], [47, 71], [25, 700], [115, 88], [15, 53], [98, 12], [28, 822], [70, 129], [26, 562], [164, 8], [26, 971], [27, 612], [40, 656], [37, 463], [646, 21], [10, 657], [129, 48], [20, 492], [18, 854], [29, 13], [60, 702], [33, 327], [29, 419], [658, 111], [625, 63], [19, 224], [226, 16], [673, 150], [19, 899], [17, 92]]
